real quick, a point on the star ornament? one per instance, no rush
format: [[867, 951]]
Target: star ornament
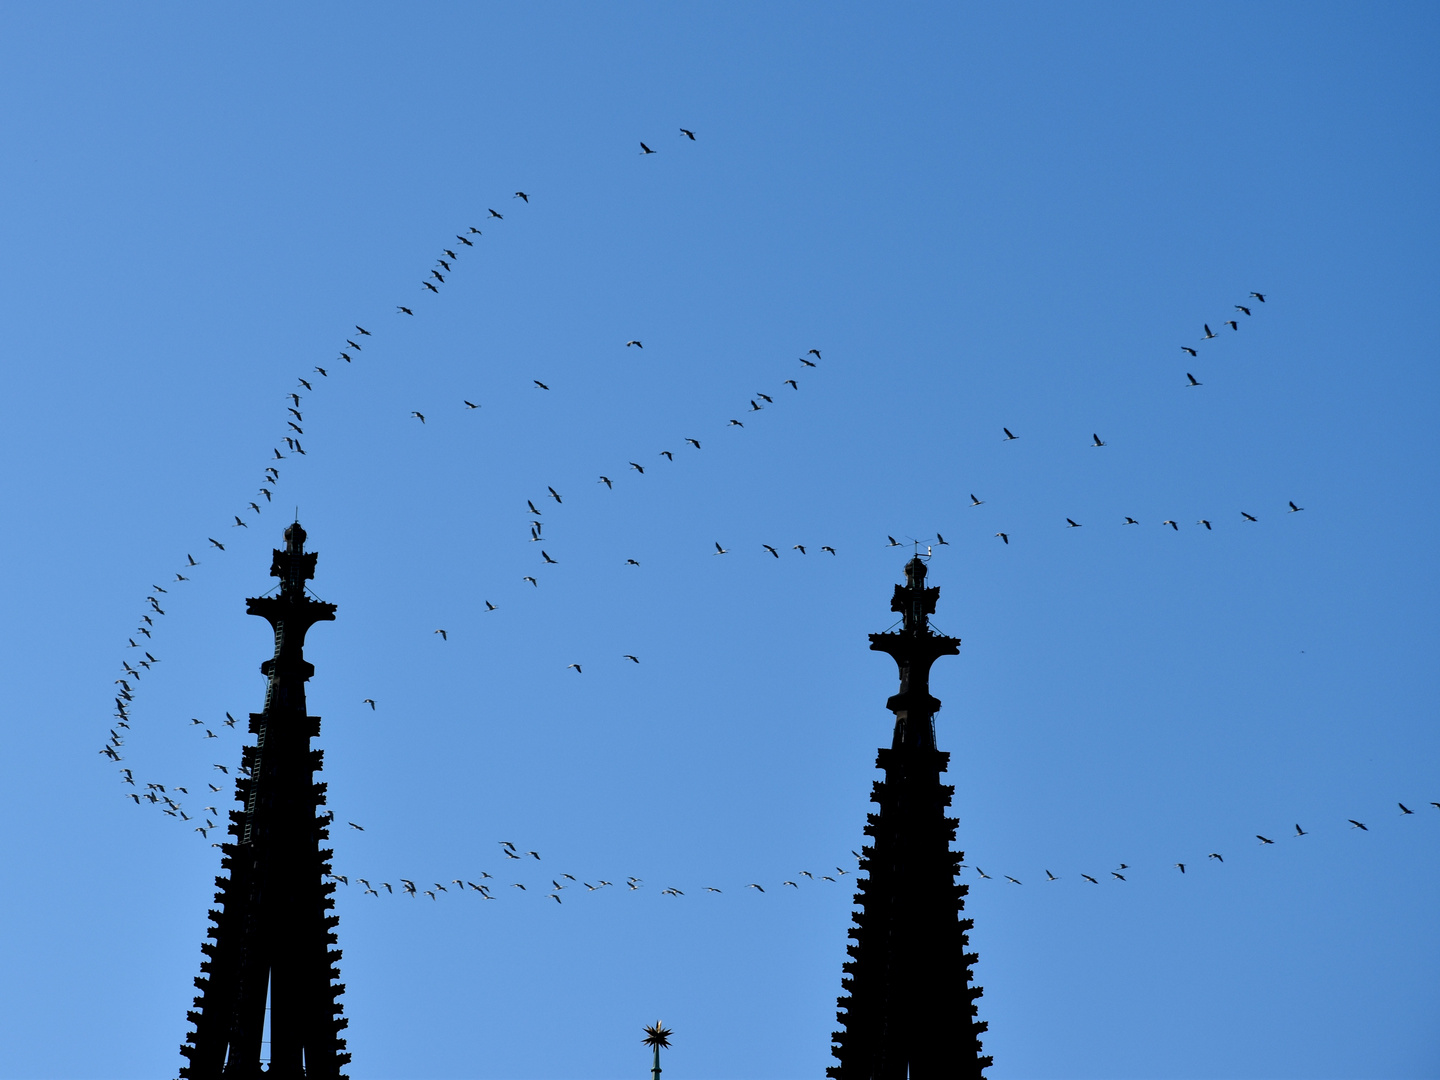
[[657, 1035]]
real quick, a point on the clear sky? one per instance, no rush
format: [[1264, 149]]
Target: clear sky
[[983, 217]]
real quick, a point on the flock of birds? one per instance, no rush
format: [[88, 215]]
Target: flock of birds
[[290, 446], [489, 886]]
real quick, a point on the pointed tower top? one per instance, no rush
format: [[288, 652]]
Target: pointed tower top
[[914, 647]]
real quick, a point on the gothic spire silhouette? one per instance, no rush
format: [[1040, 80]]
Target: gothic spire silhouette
[[907, 1003], [272, 932]]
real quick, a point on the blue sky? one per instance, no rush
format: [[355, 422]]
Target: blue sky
[[983, 218]]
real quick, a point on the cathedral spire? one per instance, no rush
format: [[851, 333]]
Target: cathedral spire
[[271, 935], [907, 999]]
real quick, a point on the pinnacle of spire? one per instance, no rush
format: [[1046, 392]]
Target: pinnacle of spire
[[914, 648]]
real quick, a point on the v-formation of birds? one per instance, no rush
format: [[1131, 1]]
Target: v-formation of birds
[[354, 345]]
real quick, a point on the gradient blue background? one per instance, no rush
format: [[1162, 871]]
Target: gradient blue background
[[983, 218]]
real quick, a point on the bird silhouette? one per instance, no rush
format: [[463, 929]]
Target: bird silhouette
[[555, 495], [1193, 381], [521, 195], [720, 550], [771, 550], [638, 468], [694, 442], [470, 404], [1258, 296], [217, 543], [443, 635], [401, 309], [1090, 879], [370, 702], [1242, 308], [1071, 523], [547, 558], [1186, 348], [1216, 856], [1172, 525], [432, 288], [1098, 441], [635, 343], [531, 580], [1300, 832], [1202, 521], [691, 136], [606, 481], [645, 149], [1263, 839], [1004, 536], [489, 606], [1248, 517], [792, 384], [1404, 809], [418, 416], [1208, 332], [1009, 435], [976, 502], [1295, 509], [1357, 825], [577, 671], [632, 659]]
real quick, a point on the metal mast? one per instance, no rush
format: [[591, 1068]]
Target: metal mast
[[908, 1006], [272, 932]]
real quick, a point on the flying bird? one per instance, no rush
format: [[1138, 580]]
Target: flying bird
[[1009, 434], [635, 343], [432, 288], [398, 311], [1098, 441], [752, 885], [792, 384], [1050, 877], [443, 635], [418, 416], [1015, 881], [470, 404], [217, 543], [577, 671], [1300, 832], [1202, 521], [735, 423], [494, 214], [521, 195], [1216, 856], [606, 481], [631, 562], [1131, 521], [798, 547], [531, 580], [1004, 536], [1115, 875], [363, 331], [1258, 296], [1171, 524], [462, 239], [645, 149], [555, 495], [1295, 509], [1263, 839], [544, 555], [354, 826], [1193, 381], [1242, 308], [815, 353], [531, 505], [1090, 879], [633, 659], [765, 397], [1180, 866], [691, 136], [1186, 348], [638, 468], [489, 606], [369, 701], [1071, 523], [807, 363], [720, 550], [827, 548], [1232, 324], [1357, 825], [771, 550], [239, 523], [893, 542], [1208, 332], [1247, 517], [1404, 809], [694, 442]]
